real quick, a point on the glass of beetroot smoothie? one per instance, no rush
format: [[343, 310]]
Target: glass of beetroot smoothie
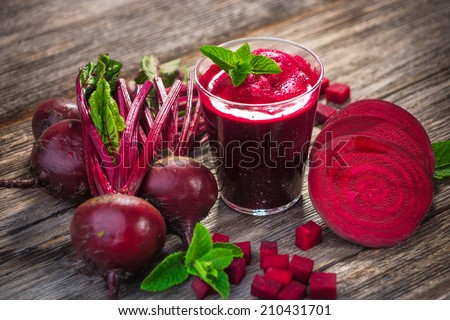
[[259, 131]]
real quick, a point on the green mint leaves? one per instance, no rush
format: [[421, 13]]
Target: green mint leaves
[[441, 151], [204, 259], [241, 63]]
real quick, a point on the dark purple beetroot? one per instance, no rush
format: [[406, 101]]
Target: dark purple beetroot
[[337, 92], [236, 270], [308, 235], [267, 248], [264, 288], [280, 275], [394, 114], [301, 268], [201, 288], [293, 291], [369, 191], [322, 286], [375, 127], [280, 261], [57, 164], [246, 250], [52, 111], [183, 190], [118, 235], [219, 237]]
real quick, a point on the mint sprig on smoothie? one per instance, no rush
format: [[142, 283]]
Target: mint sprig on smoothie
[[240, 63]]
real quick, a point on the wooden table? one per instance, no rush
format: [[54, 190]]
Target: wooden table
[[394, 50]]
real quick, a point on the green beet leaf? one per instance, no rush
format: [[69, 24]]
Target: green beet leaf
[[170, 272], [106, 116], [441, 151]]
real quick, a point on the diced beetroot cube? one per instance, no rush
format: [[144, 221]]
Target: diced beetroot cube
[[236, 270], [264, 288], [301, 268], [308, 235], [246, 250], [337, 92], [322, 285], [325, 83], [219, 237], [267, 248], [201, 288], [280, 261], [293, 291], [280, 275], [323, 112]]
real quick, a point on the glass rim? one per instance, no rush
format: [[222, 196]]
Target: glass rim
[[253, 105]]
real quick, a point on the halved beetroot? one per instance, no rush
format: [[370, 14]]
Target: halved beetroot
[[393, 114], [369, 191], [375, 127]]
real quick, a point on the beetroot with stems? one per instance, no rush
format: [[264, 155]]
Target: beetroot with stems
[[56, 163], [52, 111], [394, 114], [184, 191], [369, 191], [118, 235], [308, 235]]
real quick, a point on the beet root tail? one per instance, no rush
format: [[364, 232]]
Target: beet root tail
[[113, 281], [19, 183]]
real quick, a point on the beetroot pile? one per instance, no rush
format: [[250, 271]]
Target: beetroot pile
[[371, 170]]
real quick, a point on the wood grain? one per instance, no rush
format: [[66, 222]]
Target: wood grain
[[383, 49]]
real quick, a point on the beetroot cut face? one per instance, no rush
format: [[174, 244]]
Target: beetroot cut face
[[265, 288], [301, 268], [369, 191], [322, 286], [236, 270], [308, 235], [293, 291]]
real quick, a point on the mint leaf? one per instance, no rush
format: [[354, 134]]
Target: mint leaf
[[234, 249], [201, 243], [220, 283], [220, 258], [441, 151], [106, 116], [241, 63], [223, 57], [169, 71], [264, 65], [170, 272], [244, 53]]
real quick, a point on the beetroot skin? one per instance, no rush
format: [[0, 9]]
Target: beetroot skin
[[52, 111], [57, 161], [183, 190], [118, 235]]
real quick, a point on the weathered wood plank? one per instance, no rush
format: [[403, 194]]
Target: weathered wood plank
[[383, 49]]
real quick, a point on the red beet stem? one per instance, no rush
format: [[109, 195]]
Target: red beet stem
[[128, 154], [19, 183], [140, 168], [180, 149], [92, 133], [193, 126]]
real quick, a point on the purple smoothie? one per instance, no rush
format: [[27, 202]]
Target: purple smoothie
[[260, 131]]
